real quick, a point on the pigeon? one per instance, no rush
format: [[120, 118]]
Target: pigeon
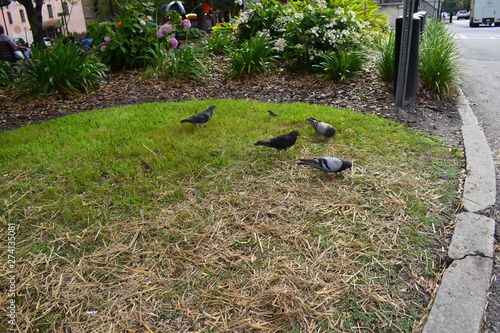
[[327, 164], [272, 113], [281, 142], [322, 128], [200, 118]]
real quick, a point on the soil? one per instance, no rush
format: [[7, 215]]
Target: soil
[[366, 94]]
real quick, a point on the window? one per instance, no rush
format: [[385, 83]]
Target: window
[[51, 13], [23, 18], [65, 8], [9, 17]]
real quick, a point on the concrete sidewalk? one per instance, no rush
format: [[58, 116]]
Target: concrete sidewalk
[[461, 298]]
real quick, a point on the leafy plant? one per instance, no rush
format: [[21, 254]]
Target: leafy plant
[[125, 42], [438, 58], [62, 69], [252, 57], [184, 62], [384, 57], [341, 65]]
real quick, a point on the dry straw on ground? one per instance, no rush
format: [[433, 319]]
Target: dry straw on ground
[[281, 251]]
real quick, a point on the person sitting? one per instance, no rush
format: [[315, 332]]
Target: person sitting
[[87, 43], [18, 50]]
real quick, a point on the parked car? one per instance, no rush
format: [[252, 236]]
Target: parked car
[[19, 41], [47, 41], [463, 14]]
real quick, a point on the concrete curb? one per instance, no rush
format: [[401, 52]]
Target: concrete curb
[[461, 298]]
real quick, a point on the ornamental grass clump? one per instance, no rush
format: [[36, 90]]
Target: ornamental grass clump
[[341, 65], [6, 74], [176, 63], [218, 44], [384, 57], [252, 56], [62, 69], [438, 58]]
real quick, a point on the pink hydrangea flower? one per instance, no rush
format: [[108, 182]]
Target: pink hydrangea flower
[[167, 29], [187, 23], [103, 46], [149, 18], [151, 9], [107, 39], [174, 42], [160, 33]]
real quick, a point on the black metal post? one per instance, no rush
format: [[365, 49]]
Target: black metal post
[[404, 53]]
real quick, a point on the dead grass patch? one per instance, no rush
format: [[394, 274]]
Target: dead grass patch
[[277, 252]]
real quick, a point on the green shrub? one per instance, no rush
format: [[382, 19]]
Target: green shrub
[[384, 57], [305, 31], [341, 65], [252, 57], [184, 62], [62, 69], [266, 16], [438, 58]]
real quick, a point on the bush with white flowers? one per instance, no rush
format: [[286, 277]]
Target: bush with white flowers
[[307, 31]]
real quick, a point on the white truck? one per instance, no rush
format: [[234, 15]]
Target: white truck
[[484, 12]]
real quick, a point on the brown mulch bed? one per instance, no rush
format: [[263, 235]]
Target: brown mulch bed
[[367, 94]]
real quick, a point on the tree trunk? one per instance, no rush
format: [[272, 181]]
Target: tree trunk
[[34, 18], [200, 13]]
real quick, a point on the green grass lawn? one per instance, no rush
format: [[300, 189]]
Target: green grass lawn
[[223, 235]]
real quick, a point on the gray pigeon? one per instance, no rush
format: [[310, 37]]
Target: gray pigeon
[[281, 142], [327, 164], [200, 118], [322, 128]]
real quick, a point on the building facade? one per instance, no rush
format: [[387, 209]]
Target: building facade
[[59, 17]]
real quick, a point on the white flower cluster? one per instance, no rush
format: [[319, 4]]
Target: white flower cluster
[[321, 4], [315, 31], [244, 17], [280, 44], [332, 23], [299, 15]]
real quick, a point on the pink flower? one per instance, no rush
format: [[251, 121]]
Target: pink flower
[[160, 33], [107, 39], [174, 42], [103, 46], [166, 29], [151, 9], [187, 23], [149, 18], [140, 31]]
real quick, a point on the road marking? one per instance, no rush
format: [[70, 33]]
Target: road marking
[[476, 38]]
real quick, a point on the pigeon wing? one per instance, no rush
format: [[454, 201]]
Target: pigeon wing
[[325, 129]]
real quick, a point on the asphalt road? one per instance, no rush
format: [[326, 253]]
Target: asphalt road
[[480, 61]]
